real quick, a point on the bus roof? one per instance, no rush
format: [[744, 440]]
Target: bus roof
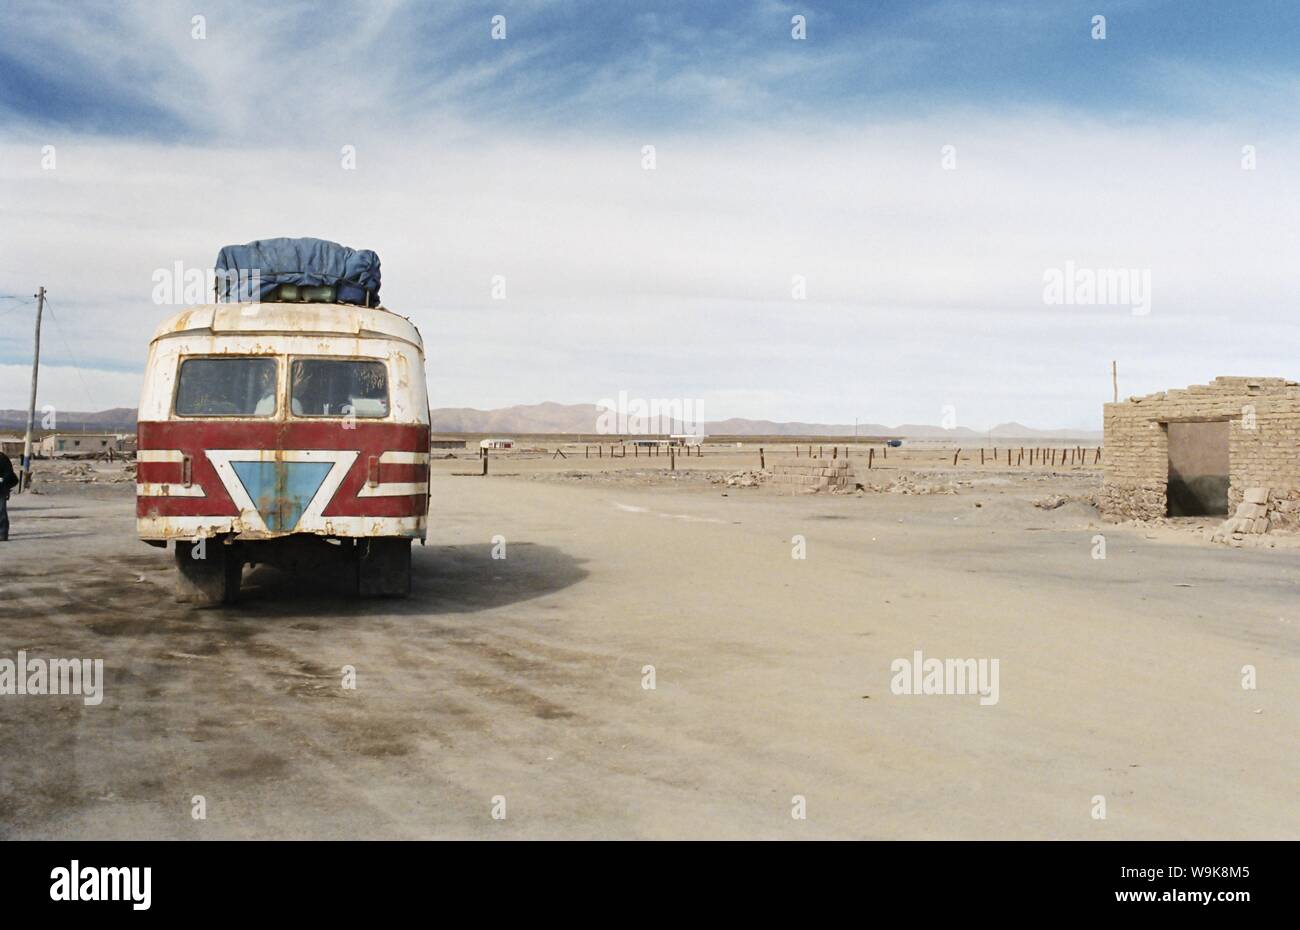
[[294, 318]]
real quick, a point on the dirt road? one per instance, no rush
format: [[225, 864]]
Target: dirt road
[[525, 678]]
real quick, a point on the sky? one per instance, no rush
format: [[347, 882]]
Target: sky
[[863, 223]]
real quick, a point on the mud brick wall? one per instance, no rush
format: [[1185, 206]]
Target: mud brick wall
[[815, 474], [1263, 442]]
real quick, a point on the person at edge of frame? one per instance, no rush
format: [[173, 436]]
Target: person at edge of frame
[[8, 480]]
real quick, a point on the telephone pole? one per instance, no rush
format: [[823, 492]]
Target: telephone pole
[[1114, 382], [26, 472]]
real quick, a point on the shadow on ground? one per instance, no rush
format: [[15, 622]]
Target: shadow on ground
[[444, 579]]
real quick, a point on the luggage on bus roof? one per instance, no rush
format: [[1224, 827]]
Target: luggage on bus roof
[[256, 270]]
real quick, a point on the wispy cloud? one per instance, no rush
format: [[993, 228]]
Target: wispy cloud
[[305, 71]]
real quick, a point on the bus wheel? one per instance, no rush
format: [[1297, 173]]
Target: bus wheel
[[207, 572], [384, 567]]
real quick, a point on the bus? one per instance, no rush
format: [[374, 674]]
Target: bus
[[287, 433]]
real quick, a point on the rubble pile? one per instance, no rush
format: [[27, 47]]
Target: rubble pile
[[1053, 501], [906, 484], [742, 479], [85, 473]]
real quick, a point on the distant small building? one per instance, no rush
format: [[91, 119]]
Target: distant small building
[[687, 439], [11, 444], [496, 444], [57, 444]]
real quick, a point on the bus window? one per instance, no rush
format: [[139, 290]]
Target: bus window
[[226, 387], [339, 387]]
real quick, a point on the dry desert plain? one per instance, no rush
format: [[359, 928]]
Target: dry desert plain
[[524, 678]]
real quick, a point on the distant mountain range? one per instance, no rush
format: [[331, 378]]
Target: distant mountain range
[[584, 419], [741, 427], [116, 420]]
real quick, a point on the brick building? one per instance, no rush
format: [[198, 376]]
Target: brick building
[[1200, 450], [56, 445]]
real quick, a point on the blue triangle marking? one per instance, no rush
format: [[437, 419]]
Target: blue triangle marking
[[281, 491]]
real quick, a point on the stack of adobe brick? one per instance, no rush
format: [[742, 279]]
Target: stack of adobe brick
[[813, 475], [1260, 511]]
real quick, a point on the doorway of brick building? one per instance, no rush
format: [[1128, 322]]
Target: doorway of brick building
[[1198, 468]]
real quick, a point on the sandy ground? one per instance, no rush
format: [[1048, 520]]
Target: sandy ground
[[522, 678]]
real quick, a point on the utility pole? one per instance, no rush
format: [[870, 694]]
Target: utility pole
[[25, 478], [1114, 382]]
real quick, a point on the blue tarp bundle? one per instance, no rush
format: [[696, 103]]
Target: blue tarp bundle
[[254, 270]]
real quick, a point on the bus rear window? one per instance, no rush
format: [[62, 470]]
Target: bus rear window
[[339, 387], [226, 387]]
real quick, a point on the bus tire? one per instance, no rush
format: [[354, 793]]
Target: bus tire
[[384, 567], [211, 580]]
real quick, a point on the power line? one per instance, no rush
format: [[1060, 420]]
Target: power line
[[75, 361], [21, 302]]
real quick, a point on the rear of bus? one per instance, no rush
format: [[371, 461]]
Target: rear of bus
[[267, 428]]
